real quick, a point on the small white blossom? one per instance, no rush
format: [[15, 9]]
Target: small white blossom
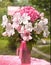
[[17, 18], [45, 28], [4, 21], [26, 18], [44, 21], [29, 27], [42, 15], [38, 29], [21, 18], [22, 29], [41, 26], [46, 33], [4, 34], [9, 30], [15, 25]]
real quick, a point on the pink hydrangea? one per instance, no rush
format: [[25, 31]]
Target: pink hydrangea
[[32, 12]]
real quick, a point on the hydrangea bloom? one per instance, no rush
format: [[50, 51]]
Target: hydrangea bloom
[[33, 13]]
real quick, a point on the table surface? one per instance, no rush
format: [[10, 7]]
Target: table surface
[[15, 60]]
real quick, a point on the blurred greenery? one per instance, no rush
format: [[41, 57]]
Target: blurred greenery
[[8, 45], [43, 48]]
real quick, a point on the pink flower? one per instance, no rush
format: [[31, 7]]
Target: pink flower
[[26, 36], [34, 14], [18, 28]]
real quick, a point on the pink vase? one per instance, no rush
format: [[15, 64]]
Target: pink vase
[[24, 53]]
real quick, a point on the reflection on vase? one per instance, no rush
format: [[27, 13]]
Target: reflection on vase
[[24, 53]]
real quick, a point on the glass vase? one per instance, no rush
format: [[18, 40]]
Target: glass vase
[[24, 53]]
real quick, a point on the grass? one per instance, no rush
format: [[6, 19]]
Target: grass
[[4, 50], [3, 43]]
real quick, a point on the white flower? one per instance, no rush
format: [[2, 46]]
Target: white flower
[[20, 29], [4, 34], [15, 25], [46, 33], [29, 27], [21, 18], [26, 18], [38, 29], [9, 30], [42, 15], [45, 28], [17, 18], [41, 26], [4, 21], [44, 21]]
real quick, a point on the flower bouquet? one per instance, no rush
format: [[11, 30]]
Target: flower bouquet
[[28, 22]]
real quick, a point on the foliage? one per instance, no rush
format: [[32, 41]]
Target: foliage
[[5, 3], [43, 4], [20, 2], [14, 41]]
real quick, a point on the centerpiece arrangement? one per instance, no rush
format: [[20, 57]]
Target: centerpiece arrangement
[[25, 20]]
